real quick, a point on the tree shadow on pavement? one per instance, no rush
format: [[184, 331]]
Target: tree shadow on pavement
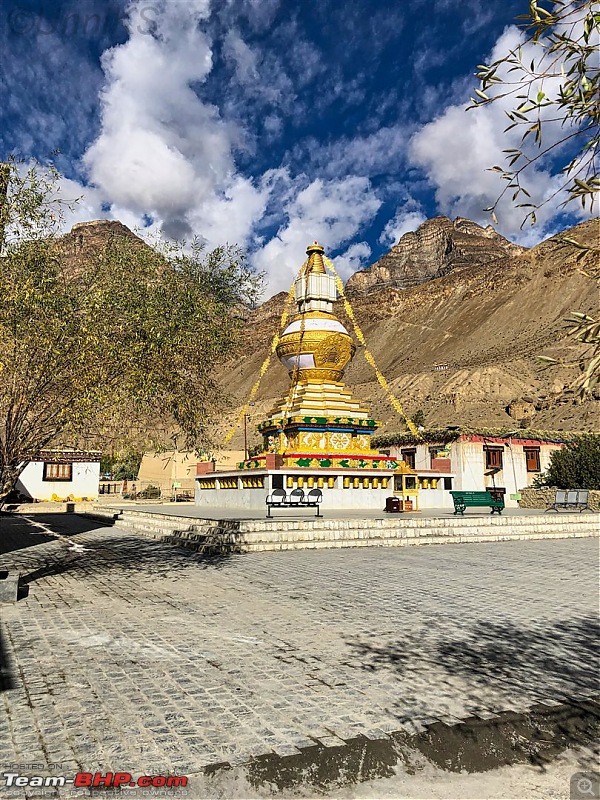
[[564, 652], [18, 534], [18, 531], [498, 688], [84, 548], [559, 659]]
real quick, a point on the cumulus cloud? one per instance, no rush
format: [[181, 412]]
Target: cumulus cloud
[[164, 158], [457, 149], [406, 219], [331, 212], [162, 150]]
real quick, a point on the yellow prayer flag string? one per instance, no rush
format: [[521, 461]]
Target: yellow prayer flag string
[[294, 378], [368, 355], [264, 367]]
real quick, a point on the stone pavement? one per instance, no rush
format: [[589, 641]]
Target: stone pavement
[[133, 655]]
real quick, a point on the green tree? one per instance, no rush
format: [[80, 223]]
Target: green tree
[[419, 418], [122, 466], [118, 349], [576, 465], [551, 83]]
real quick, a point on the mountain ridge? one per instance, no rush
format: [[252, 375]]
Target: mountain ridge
[[437, 247]]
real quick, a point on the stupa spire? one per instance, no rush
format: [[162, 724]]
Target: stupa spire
[[314, 262], [315, 289]]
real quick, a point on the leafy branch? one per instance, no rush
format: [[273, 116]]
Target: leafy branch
[[558, 87]]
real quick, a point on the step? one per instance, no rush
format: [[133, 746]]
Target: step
[[151, 525], [294, 534], [298, 540]]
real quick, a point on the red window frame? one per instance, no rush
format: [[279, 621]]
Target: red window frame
[[409, 456], [493, 457], [532, 459]]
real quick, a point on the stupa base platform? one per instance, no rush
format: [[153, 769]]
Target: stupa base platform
[[217, 532], [350, 489]]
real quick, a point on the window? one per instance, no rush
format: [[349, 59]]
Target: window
[[58, 472], [434, 452], [448, 484], [409, 456], [532, 458], [493, 458]]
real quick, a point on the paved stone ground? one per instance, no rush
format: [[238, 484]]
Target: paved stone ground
[[132, 655]]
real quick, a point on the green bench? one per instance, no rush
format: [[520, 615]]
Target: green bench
[[463, 500]]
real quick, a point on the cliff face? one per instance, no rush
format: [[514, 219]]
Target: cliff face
[[438, 246]]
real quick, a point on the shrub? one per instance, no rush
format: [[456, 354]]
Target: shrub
[[150, 493], [576, 465]]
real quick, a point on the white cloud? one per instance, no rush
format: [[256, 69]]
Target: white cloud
[[230, 217], [162, 150], [377, 153], [331, 212], [242, 56], [457, 149], [404, 221], [354, 258]]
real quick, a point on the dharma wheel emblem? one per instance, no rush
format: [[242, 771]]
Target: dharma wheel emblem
[[334, 351]]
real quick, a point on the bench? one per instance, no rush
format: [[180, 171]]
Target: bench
[[296, 499], [575, 499], [463, 500]]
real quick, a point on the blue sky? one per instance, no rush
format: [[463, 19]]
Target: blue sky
[[267, 123]]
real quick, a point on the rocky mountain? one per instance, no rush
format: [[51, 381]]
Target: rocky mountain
[[85, 238], [438, 246], [463, 343]]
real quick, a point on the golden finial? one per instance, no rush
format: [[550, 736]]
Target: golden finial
[[314, 263]]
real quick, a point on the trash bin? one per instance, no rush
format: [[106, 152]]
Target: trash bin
[[392, 505]]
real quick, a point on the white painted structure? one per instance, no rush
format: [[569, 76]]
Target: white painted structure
[[58, 475], [519, 461], [247, 490]]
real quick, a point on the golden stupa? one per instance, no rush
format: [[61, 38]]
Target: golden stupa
[[319, 424]]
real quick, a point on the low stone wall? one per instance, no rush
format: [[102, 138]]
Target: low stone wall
[[542, 498]]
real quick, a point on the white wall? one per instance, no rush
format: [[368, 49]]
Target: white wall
[[253, 499], [86, 477], [468, 468]]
